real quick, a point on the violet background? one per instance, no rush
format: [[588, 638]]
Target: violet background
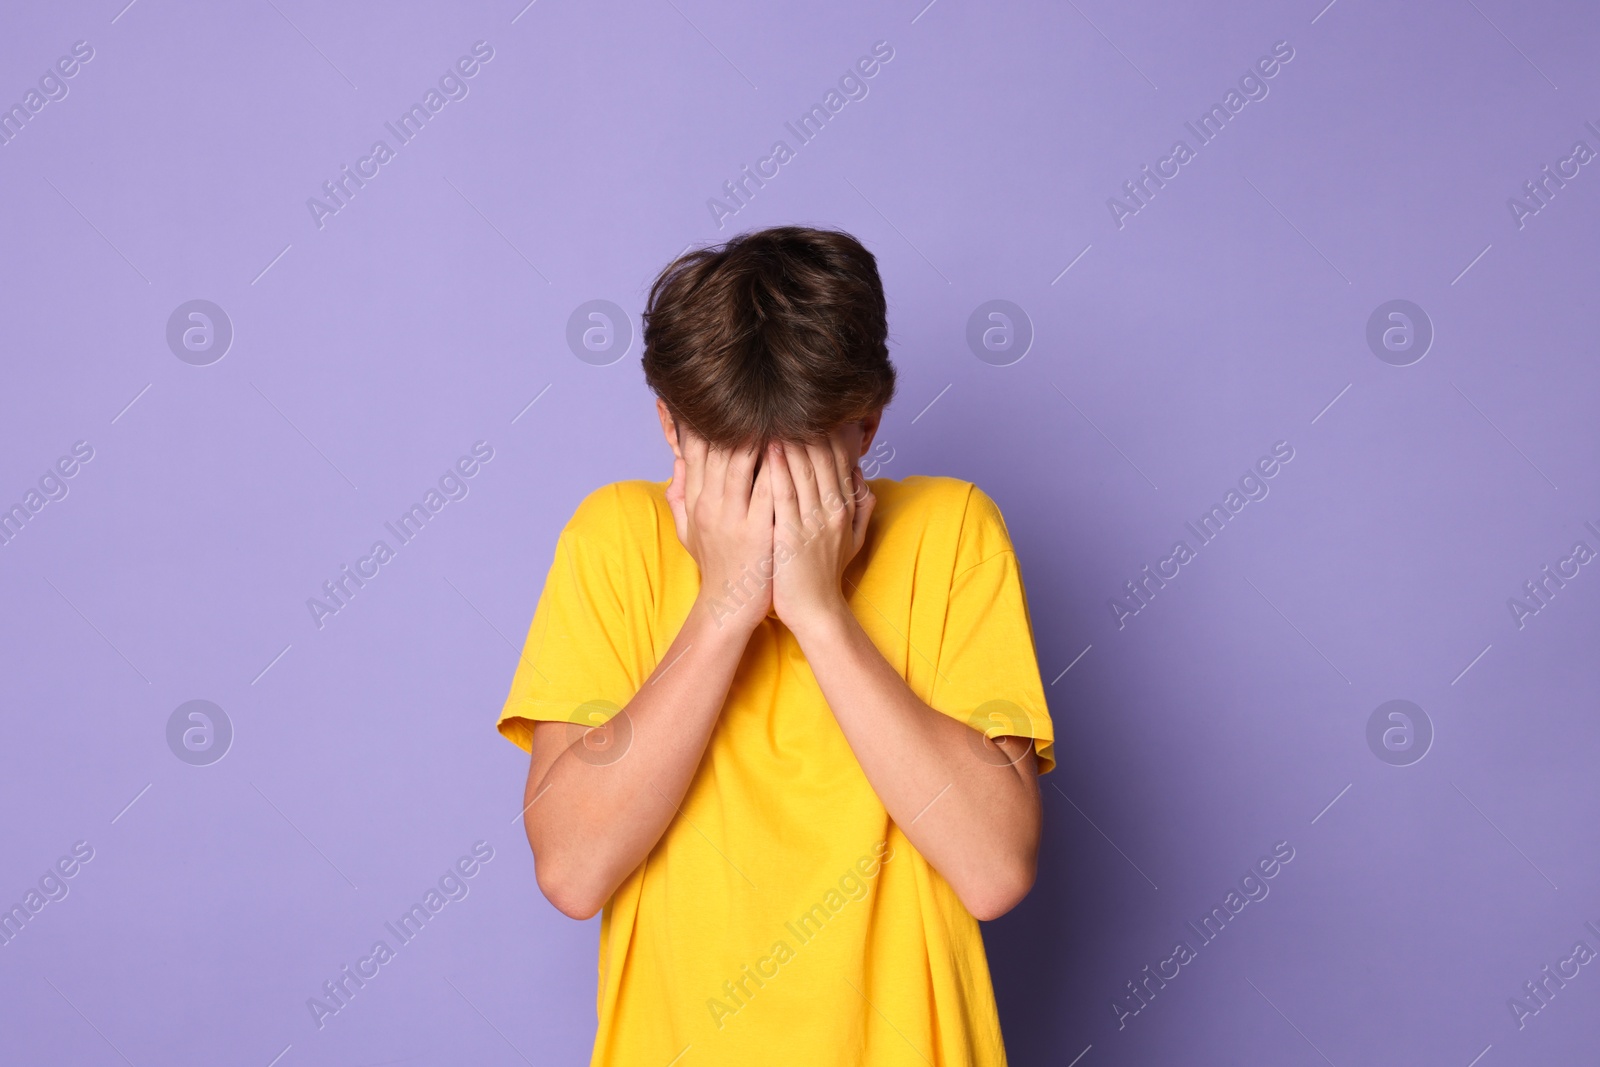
[[426, 315]]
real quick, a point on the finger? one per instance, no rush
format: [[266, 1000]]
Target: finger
[[737, 479], [860, 466], [825, 463], [805, 483], [845, 466], [716, 472], [785, 504], [863, 485], [761, 510]]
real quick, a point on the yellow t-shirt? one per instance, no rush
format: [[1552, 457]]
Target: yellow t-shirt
[[783, 918]]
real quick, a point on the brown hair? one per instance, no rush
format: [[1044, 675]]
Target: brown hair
[[779, 334]]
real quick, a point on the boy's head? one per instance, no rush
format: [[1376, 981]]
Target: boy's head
[[777, 335]]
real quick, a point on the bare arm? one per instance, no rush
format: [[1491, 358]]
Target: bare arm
[[969, 805], [593, 813]]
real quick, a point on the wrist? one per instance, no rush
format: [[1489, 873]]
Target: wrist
[[721, 618], [827, 626]]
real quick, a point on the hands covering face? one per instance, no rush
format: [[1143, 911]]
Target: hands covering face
[[777, 537]]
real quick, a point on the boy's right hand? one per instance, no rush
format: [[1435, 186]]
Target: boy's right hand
[[724, 517]]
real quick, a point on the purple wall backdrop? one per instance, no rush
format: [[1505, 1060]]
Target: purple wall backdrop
[[1156, 343]]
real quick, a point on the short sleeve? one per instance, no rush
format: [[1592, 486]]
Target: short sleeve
[[988, 671], [575, 663]]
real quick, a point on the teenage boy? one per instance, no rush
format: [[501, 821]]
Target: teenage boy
[[785, 722]]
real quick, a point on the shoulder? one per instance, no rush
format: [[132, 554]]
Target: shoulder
[[944, 507], [619, 514]]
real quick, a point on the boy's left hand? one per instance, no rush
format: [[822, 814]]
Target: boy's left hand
[[821, 506]]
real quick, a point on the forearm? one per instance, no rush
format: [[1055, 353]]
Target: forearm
[[976, 820], [592, 819]]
